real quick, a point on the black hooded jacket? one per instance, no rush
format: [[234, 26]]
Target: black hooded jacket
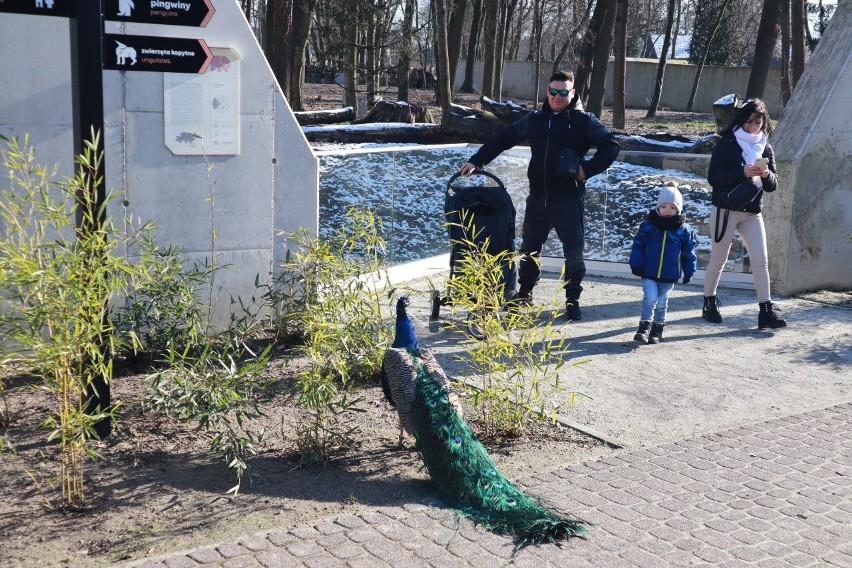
[[548, 133], [726, 171]]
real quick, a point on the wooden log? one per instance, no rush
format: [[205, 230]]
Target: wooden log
[[705, 145], [385, 111], [471, 125], [333, 116], [384, 133], [506, 111], [664, 142]]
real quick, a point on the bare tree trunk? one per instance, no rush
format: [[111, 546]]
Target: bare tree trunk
[[350, 72], [569, 38], [661, 66], [289, 31], [513, 37], [489, 45], [507, 8], [470, 62], [786, 85], [764, 49], [281, 47], [535, 43], [587, 48], [455, 36], [647, 46], [620, 65], [797, 36], [676, 30], [704, 56], [269, 33], [302, 11], [444, 89], [600, 62], [405, 50], [370, 48]]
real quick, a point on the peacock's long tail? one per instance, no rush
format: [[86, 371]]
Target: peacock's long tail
[[466, 476]]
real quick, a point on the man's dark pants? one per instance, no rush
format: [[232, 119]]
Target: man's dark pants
[[566, 216]]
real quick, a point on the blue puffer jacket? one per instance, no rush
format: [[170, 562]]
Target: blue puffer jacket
[[663, 248]]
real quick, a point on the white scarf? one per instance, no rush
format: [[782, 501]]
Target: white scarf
[[752, 146]]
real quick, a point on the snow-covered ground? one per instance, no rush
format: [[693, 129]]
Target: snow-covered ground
[[406, 188]]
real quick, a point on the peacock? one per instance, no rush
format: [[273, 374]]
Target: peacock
[[459, 465]]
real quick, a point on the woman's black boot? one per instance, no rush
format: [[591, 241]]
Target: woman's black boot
[[656, 334], [768, 318], [710, 312]]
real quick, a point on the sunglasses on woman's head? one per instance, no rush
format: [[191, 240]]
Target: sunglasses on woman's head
[[563, 92]]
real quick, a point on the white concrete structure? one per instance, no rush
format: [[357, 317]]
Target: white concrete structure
[[809, 219], [247, 200]]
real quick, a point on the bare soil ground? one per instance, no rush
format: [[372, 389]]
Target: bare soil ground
[[156, 488]]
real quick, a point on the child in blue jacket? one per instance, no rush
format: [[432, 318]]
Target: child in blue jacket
[[663, 248]]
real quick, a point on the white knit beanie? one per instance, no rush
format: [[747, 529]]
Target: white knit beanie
[[670, 194]]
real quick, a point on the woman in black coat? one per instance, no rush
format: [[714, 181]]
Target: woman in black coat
[[743, 154]]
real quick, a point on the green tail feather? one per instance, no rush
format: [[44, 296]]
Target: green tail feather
[[467, 478]]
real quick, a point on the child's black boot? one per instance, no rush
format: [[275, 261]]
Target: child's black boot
[[656, 334], [710, 312], [642, 334], [768, 317]]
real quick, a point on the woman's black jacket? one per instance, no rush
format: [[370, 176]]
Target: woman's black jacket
[[726, 170], [548, 133]]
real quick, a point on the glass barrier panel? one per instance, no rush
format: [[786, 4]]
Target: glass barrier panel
[[406, 187]]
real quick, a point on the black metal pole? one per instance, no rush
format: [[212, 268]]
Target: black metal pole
[[87, 29]]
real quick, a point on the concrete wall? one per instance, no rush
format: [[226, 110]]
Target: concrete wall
[[248, 199], [809, 218], [35, 89], [519, 81]]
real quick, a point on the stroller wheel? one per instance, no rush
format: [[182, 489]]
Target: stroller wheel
[[473, 327], [436, 304]]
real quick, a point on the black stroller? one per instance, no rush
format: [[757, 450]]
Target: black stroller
[[490, 209]]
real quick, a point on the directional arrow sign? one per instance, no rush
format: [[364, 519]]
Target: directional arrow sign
[[148, 53], [39, 7], [175, 12]]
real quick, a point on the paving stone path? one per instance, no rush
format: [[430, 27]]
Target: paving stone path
[[771, 494]]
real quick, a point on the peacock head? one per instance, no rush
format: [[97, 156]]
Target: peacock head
[[401, 306]]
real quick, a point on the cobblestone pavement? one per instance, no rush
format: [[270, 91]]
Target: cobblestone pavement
[[770, 494]]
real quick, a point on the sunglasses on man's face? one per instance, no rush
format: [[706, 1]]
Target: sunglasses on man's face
[[563, 92]]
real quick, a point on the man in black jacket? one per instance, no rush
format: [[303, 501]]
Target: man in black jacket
[[559, 135]]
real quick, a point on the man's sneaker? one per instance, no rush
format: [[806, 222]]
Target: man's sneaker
[[572, 310]]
